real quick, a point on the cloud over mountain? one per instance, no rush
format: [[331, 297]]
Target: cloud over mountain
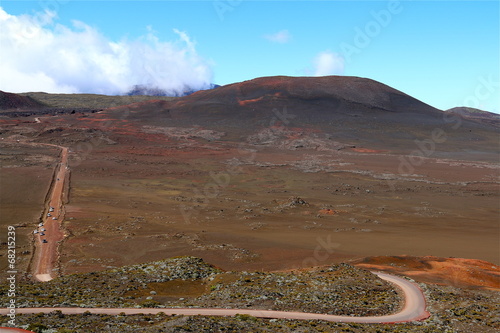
[[39, 54], [328, 63]]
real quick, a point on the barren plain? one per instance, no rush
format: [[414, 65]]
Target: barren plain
[[272, 174]]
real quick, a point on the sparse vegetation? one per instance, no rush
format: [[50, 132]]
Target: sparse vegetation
[[187, 281], [338, 289], [91, 101], [207, 324], [452, 309]]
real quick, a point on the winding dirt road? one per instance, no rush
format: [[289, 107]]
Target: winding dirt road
[[414, 309], [45, 255]]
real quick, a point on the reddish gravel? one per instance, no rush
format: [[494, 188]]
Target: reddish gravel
[[471, 273]]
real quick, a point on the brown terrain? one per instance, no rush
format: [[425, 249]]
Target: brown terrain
[[464, 273], [269, 174], [477, 115], [10, 101]]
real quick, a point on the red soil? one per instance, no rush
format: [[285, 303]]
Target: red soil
[[469, 273], [249, 101], [327, 212]]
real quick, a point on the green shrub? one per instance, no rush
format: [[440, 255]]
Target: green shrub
[[245, 317], [149, 304]]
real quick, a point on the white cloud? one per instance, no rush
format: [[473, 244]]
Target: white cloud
[[328, 63], [281, 37], [38, 54]]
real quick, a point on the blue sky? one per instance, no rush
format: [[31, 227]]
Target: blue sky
[[445, 53]]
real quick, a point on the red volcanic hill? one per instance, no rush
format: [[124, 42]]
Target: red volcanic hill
[[15, 101], [311, 100], [339, 93], [345, 109]]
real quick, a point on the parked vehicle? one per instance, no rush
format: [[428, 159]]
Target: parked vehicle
[[44, 241]]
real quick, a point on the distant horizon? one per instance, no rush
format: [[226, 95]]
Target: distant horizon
[[423, 49]]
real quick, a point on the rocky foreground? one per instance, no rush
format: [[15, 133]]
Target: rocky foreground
[[189, 282]]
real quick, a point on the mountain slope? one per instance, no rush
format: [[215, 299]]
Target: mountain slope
[[476, 115], [337, 92], [316, 101], [351, 110], [14, 101]]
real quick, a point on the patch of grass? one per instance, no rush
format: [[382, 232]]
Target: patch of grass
[[245, 317]]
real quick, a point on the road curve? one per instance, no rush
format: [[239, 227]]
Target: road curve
[[414, 300], [414, 309]]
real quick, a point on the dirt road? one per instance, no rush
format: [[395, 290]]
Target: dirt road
[[46, 253], [414, 309], [46, 256]]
